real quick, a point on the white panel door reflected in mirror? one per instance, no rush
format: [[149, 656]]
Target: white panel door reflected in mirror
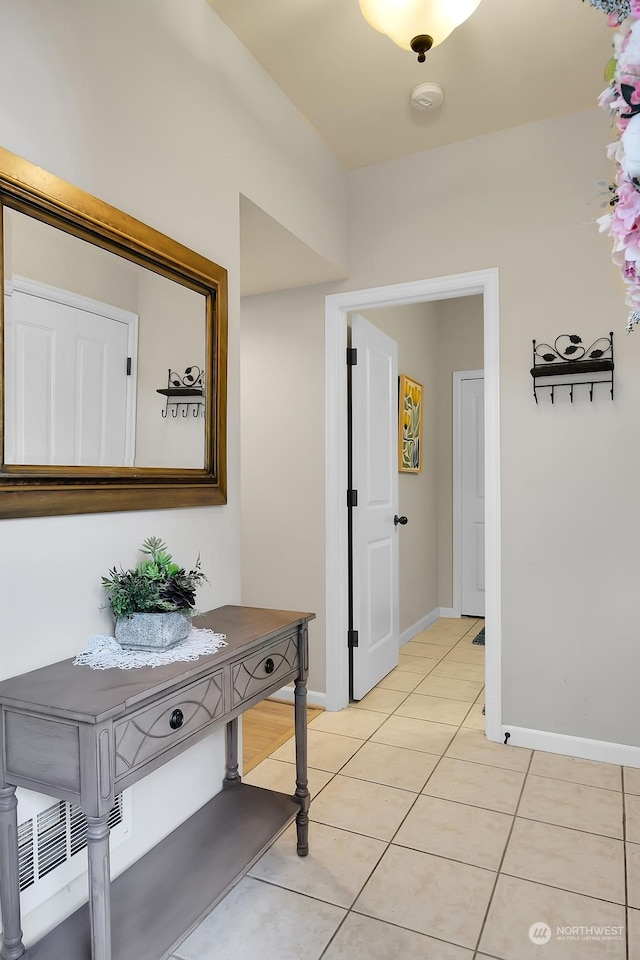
[[89, 339]]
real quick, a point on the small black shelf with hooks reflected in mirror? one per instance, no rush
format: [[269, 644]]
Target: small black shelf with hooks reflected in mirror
[[184, 393]]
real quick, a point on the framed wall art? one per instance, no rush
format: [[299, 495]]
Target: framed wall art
[[409, 425]]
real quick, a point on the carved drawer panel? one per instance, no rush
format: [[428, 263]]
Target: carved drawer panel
[[256, 673], [149, 732]]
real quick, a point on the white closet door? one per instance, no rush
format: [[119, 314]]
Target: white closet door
[[65, 385]]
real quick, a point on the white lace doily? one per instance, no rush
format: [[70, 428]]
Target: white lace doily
[[105, 652]]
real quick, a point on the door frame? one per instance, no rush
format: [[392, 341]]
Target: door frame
[[458, 377], [337, 306]]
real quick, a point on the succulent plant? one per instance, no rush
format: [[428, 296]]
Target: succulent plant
[[156, 585]]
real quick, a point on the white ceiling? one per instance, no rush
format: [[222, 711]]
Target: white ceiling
[[512, 62]]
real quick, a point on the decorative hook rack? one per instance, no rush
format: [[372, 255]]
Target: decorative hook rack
[[578, 365], [185, 394]]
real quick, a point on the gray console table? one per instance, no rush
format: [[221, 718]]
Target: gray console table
[[85, 735]]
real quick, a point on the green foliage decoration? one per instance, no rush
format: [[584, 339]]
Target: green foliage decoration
[[156, 585]]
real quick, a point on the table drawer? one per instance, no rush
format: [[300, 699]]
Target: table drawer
[[255, 673], [147, 733]]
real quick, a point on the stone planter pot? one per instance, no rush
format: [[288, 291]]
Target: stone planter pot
[[152, 631]]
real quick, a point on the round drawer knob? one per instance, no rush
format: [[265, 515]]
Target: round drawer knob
[[177, 719], [269, 666]]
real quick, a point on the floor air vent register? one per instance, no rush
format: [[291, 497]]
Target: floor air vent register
[[51, 841]]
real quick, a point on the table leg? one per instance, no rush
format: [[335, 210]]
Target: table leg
[[302, 790], [12, 945], [232, 775], [99, 886]]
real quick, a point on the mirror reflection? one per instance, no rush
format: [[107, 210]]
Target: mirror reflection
[[90, 338]]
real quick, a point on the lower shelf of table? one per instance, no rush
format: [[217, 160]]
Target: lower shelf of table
[[159, 899]]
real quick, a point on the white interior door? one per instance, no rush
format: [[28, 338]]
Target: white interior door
[[67, 390], [375, 556], [472, 506]]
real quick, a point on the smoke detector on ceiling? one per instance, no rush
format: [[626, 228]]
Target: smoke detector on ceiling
[[427, 96]]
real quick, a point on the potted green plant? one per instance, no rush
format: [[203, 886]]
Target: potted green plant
[[152, 602]]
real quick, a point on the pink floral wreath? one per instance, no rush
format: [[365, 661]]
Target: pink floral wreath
[[622, 99]]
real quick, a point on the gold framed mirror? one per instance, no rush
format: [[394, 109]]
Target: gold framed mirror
[[113, 353]]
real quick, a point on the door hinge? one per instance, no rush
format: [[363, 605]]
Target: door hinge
[[352, 498], [352, 356], [128, 366], [352, 638]]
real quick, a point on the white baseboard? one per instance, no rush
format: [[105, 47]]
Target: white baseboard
[[422, 624], [602, 750], [314, 698], [448, 612]]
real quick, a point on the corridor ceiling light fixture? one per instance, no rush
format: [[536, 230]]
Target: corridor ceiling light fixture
[[417, 25]]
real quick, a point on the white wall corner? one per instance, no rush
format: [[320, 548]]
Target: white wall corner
[[421, 624], [448, 612], [619, 753]]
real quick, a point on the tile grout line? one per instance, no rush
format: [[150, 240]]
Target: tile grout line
[[369, 739], [559, 826], [563, 826], [475, 624], [552, 886], [578, 783], [335, 933], [504, 853], [421, 656], [624, 855], [457, 699], [387, 847], [411, 807], [365, 741], [316, 900], [389, 842], [438, 856], [382, 853], [459, 723], [407, 693], [528, 772]]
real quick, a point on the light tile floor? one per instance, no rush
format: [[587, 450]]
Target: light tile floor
[[428, 842]]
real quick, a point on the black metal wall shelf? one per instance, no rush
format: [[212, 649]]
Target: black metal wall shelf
[[579, 366], [185, 394]]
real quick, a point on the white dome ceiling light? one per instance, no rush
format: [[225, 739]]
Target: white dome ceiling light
[[427, 96], [417, 25]]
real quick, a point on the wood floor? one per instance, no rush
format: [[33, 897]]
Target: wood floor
[[266, 727]]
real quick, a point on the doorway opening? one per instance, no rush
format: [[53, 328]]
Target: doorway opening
[[338, 306]]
